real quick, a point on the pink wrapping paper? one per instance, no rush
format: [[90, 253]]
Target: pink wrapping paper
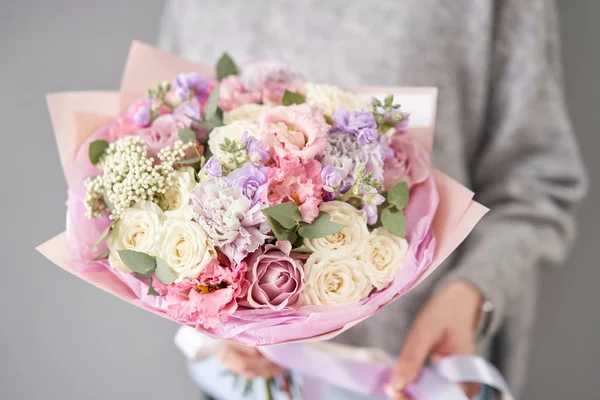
[[79, 117]]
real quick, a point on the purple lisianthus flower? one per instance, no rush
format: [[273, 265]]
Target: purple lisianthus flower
[[254, 148], [370, 202], [213, 167], [251, 179], [189, 109], [332, 178], [190, 84], [360, 123]]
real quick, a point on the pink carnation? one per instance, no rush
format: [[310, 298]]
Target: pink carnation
[[271, 78], [233, 94], [409, 162], [208, 299], [298, 130], [291, 180]]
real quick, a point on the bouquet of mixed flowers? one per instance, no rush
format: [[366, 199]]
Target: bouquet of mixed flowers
[[248, 203]]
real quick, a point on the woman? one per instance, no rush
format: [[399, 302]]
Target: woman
[[502, 130]]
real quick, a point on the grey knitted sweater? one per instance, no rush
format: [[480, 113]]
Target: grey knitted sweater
[[502, 126]]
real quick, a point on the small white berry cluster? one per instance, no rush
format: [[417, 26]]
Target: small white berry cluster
[[130, 176]]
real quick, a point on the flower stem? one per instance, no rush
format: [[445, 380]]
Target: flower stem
[[268, 384]]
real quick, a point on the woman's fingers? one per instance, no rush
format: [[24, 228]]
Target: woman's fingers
[[246, 361]]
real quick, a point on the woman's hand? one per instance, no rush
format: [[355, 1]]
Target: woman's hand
[[445, 326], [246, 361]]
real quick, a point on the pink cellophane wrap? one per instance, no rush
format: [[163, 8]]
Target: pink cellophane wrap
[[440, 215]]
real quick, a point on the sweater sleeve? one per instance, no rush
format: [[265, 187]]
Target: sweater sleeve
[[527, 168]]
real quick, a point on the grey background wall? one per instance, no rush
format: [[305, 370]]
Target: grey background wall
[[62, 339]]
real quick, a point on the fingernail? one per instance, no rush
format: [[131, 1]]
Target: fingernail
[[389, 391]]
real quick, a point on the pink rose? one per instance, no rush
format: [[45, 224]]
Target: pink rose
[[409, 162], [163, 132], [275, 278], [291, 180], [272, 78], [298, 130], [209, 299], [233, 94]]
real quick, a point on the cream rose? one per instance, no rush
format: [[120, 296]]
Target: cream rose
[[383, 257], [178, 195], [329, 98], [185, 247], [234, 132], [137, 229], [331, 279], [350, 240], [248, 112]]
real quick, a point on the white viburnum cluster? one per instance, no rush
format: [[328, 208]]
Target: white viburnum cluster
[[130, 176]]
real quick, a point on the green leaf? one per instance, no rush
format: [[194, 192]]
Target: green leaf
[[290, 98], [398, 195], [287, 214], [394, 221], [96, 150], [108, 203], [226, 67], [163, 272], [280, 232], [138, 262], [187, 135], [151, 291], [212, 105], [103, 236], [101, 256], [320, 227], [189, 160]]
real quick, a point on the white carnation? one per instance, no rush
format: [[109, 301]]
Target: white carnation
[[331, 279], [247, 112], [234, 132], [329, 98], [383, 257], [137, 229], [351, 239]]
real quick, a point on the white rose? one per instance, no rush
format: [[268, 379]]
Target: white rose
[[178, 195], [383, 257], [331, 279], [234, 131], [137, 229], [329, 98], [185, 247], [350, 240], [247, 112]]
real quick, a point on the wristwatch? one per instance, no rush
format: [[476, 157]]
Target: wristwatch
[[484, 323]]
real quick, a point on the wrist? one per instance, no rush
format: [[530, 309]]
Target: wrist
[[469, 300]]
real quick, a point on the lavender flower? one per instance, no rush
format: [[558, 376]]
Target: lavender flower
[[360, 123], [332, 178], [254, 148], [235, 225], [213, 167], [191, 84], [345, 153], [251, 179], [143, 115]]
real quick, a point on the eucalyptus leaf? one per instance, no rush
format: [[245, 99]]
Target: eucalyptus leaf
[[394, 221], [151, 290], [163, 272], [225, 67], [138, 262], [212, 104], [280, 232], [320, 227], [290, 98], [103, 236], [287, 214], [398, 195], [96, 150], [187, 135], [188, 161], [143, 276], [108, 203]]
